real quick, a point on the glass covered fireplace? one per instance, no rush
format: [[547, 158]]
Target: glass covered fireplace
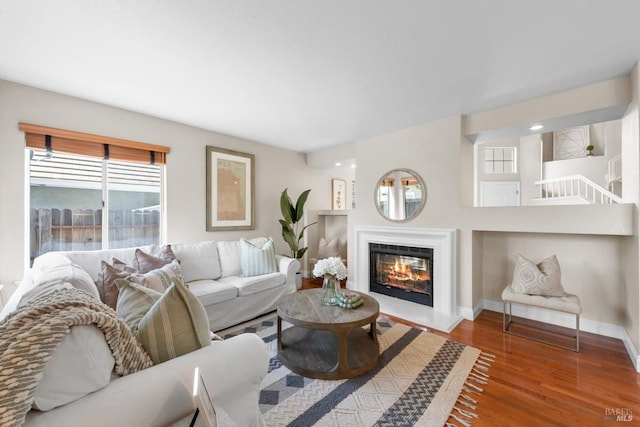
[[402, 272]]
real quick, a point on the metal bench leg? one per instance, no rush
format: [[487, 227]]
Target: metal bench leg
[[507, 320], [577, 332]]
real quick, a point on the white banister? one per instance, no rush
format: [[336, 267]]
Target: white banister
[[576, 186]]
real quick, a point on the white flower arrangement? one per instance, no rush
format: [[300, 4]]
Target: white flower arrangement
[[332, 266]]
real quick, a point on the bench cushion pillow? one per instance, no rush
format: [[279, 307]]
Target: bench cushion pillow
[[328, 248], [537, 279]]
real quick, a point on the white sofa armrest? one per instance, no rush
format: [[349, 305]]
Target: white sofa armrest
[[288, 266], [161, 395]]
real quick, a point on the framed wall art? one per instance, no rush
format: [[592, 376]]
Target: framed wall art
[[338, 194], [230, 190]]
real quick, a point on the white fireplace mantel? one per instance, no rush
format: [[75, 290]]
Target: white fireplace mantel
[[443, 316]]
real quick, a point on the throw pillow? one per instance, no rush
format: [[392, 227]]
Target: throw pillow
[[257, 260], [134, 301], [537, 279], [328, 249], [176, 324], [229, 253], [144, 262], [107, 287], [159, 279], [121, 265]]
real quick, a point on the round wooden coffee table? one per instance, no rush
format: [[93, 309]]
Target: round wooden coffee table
[[327, 342]]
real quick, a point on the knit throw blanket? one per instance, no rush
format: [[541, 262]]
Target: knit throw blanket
[[30, 335]]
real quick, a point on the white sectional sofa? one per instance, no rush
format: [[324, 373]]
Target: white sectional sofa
[[161, 395]]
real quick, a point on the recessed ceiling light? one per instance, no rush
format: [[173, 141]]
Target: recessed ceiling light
[[536, 127], [338, 164], [353, 165]]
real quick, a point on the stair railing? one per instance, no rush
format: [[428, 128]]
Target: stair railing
[[576, 186]]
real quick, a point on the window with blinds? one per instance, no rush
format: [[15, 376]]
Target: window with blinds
[[92, 192]]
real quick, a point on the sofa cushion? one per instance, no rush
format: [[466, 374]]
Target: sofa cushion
[[165, 336], [145, 262], [253, 285], [198, 260], [229, 253], [211, 292], [80, 365], [62, 269], [537, 279], [257, 260], [159, 279]]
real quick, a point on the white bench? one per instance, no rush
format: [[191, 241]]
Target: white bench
[[567, 304]]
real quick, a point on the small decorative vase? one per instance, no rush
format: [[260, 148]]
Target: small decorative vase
[[330, 286]]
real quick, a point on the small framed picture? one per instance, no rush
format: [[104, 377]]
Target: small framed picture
[[338, 194]]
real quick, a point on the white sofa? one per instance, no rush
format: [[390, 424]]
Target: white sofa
[[161, 395]]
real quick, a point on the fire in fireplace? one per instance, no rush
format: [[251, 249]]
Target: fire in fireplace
[[402, 272]]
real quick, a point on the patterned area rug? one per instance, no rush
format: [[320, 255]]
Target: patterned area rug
[[421, 379]]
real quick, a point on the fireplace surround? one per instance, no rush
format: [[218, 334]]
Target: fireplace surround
[[443, 315]]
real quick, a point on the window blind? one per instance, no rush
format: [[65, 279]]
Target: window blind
[[85, 144]]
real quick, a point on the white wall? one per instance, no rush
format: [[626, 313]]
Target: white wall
[[631, 193], [185, 171], [591, 267]]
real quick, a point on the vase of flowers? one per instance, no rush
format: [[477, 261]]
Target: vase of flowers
[[332, 270]]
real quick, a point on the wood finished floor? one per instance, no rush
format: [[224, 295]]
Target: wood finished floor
[[535, 384]]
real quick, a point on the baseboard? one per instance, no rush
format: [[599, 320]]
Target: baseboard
[[470, 313], [568, 321]]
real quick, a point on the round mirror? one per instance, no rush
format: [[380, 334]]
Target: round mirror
[[400, 195]]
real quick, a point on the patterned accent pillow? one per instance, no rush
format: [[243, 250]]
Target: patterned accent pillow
[[257, 260], [328, 249], [165, 336], [159, 279], [537, 279], [145, 262]]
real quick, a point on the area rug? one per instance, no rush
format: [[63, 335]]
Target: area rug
[[421, 379]]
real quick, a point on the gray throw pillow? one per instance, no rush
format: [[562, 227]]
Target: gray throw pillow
[[537, 279]]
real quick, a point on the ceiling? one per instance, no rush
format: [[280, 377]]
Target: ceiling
[[307, 75]]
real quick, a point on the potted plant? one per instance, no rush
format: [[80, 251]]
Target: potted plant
[[292, 232], [589, 150]]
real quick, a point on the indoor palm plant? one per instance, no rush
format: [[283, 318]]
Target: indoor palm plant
[[292, 214]]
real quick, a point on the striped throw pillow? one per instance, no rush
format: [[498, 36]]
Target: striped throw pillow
[[134, 301], [256, 260], [176, 324]]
